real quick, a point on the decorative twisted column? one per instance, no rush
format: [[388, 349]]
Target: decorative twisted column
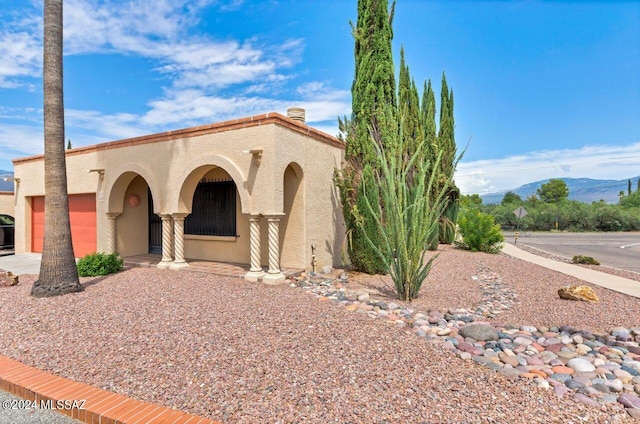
[[274, 275], [178, 229], [111, 232], [255, 272], [167, 242]]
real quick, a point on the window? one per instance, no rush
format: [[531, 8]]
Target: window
[[214, 209]]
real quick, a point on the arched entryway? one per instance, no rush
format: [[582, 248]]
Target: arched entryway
[[132, 217], [214, 226], [292, 224]]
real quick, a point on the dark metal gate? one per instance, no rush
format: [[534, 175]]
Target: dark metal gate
[[214, 209], [155, 228]]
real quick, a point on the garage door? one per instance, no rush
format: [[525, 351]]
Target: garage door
[[82, 211]]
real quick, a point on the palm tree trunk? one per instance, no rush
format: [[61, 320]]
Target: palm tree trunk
[[58, 272]]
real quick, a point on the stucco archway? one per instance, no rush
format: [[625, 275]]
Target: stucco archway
[[213, 225], [118, 188], [131, 207], [196, 170], [292, 223]]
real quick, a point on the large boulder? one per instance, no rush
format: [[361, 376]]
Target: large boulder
[[585, 293], [8, 279], [479, 332]]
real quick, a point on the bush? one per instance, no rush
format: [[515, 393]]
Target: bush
[[479, 232], [585, 260], [405, 214], [96, 264]]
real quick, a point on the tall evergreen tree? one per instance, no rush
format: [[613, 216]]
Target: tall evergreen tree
[[428, 112], [399, 123], [373, 95], [373, 90], [447, 146], [409, 109]]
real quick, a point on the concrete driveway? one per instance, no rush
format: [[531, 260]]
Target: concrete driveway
[[616, 250], [24, 263]]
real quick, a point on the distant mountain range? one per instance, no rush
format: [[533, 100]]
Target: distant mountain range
[[584, 190], [5, 185]]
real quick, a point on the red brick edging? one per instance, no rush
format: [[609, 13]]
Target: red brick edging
[[98, 406]]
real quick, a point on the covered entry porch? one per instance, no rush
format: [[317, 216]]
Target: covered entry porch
[[228, 269]]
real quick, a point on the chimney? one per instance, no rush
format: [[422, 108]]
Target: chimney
[[296, 113]]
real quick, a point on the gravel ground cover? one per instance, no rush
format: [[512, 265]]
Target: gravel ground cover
[[250, 353], [449, 285]]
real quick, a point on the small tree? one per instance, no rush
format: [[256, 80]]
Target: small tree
[[470, 200], [511, 197], [554, 191], [406, 214], [631, 201]]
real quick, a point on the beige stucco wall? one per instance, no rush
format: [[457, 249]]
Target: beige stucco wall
[[7, 206], [293, 175]]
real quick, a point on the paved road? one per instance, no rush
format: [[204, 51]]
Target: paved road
[[28, 416], [617, 250]]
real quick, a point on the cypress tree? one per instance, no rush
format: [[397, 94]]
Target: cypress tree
[[401, 125], [444, 130], [409, 109], [447, 145], [373, 95], [429, 114], [374, 88]]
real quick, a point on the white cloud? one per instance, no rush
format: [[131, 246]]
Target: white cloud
[[158, 30], [20, 139], [206, 79], [107, 127], [21, 57], [192, 106], [598, 162]]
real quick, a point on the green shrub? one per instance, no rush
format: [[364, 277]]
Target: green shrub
[[585, 260], [479, 232], [96, 264]]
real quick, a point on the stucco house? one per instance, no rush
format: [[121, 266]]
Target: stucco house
[[256, 190]]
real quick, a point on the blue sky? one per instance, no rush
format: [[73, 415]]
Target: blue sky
[[543, 89]]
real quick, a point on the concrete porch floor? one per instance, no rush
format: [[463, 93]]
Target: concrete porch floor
[[218, 268]]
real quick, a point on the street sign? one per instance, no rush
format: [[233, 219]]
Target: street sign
[[520, 212]]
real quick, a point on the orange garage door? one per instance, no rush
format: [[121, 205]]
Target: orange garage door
[[82, 211]]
